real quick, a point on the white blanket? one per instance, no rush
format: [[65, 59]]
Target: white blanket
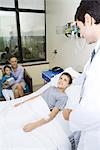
[[50, 136]]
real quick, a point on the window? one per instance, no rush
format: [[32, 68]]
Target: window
[[8, 35], [32, 4], [33, 35], [7, 3], [22, 30]]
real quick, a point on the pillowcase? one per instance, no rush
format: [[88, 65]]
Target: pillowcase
[[73, 93], [69, 70]]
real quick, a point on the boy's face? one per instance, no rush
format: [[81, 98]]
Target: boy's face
[[87, 29], [7, 71], [63, 82]]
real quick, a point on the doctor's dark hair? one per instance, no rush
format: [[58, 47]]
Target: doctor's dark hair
[[68, 75], [91, 7]]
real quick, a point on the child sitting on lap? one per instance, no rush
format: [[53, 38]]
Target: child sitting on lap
[[7, 81]]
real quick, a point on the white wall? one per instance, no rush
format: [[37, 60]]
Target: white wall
[[71, 52], [36, 73]]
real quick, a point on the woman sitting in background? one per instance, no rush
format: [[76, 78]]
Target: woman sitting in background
[[18, 73]]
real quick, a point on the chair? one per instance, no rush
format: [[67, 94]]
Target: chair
[[28, 87]]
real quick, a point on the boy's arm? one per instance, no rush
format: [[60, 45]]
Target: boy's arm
[[3, 79], [4, 82], [26, 101], [29, 127], [66, 113]]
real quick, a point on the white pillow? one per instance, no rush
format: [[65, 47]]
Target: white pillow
[[72, 72], [73, 93], [69, 70]]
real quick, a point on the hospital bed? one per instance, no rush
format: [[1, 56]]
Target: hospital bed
[[51, 136]]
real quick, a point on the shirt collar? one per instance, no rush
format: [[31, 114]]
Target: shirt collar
[[97, 47]]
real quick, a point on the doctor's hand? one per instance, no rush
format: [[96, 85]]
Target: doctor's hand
[[29, 127]]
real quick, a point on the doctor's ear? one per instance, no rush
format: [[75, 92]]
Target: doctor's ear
[[89, 20]]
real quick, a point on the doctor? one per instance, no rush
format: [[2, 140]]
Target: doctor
[[87, 115]]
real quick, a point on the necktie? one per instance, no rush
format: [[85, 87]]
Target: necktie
[[92, 55], [82, 88]]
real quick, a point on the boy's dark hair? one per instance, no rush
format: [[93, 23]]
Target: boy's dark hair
[[6, 67], [91, 7], [68, 75]]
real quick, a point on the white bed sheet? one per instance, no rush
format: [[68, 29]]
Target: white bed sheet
[[52, 136]]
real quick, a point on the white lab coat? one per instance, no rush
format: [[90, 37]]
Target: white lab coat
[[87, 115]]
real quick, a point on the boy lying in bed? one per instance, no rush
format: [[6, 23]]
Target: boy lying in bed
[[56, 99]]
